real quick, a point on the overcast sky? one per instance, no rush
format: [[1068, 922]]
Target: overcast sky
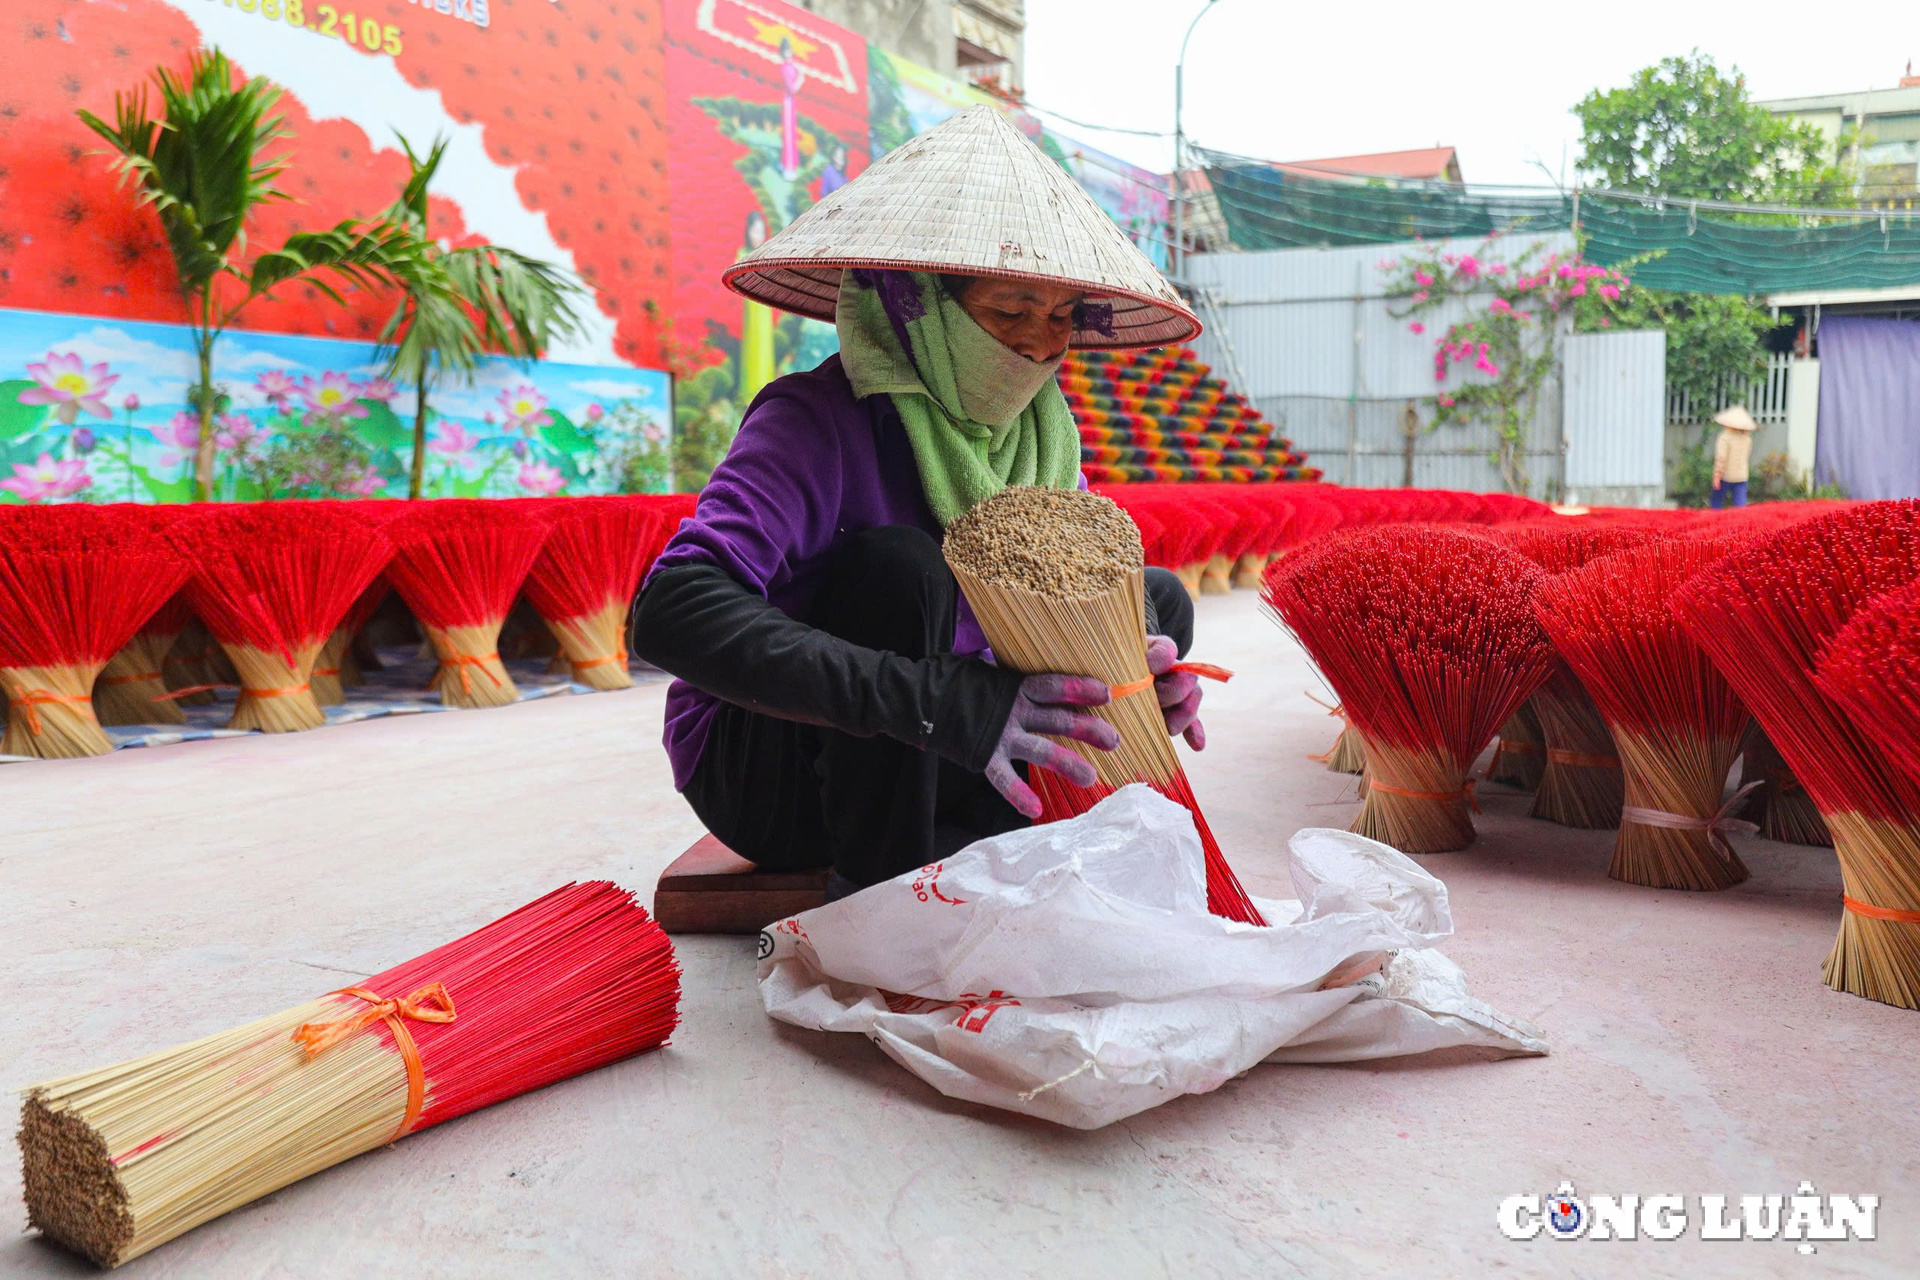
[[1295, 81]]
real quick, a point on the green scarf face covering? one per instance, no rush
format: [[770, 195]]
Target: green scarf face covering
[[978, 415]]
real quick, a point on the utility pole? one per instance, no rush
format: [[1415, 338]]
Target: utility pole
[[1177, 252]]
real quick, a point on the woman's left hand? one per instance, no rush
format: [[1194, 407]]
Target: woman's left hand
[[1178, 691]]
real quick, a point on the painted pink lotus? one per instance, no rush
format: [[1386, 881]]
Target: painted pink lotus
[[652, 433], [333, 396], [44, 480], [377, 389], [131, 403], [71, 385], [539, 478], [524, 408], [236, 430], [595, 412], [363, 484], [278, 387], [179, 436], [453, 440]]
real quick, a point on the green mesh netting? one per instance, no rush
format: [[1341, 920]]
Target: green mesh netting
[[1265, 208]]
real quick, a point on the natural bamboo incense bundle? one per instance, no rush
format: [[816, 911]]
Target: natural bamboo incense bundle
[[1429, 638], [1766, 615], [75, 583], [124, 1158], [271, 581], [335, 670], [1520, 755], [1872, 669], [584, 580], [1581, 783], [1781, 807], [196, 664], [1676, 721], [1055, 578], [1346, 755], [458, 564], [132, 687]]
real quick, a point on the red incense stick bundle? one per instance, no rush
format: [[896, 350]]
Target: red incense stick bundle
[[75, 583], [1580, 782], [131, 688], [583, 583], [1429, 638], [1781, 807], [458, 564], [1872, 669], [1520, 754], [272, 581], [1766, 615], [1676, 721], [122, 1159], [335, 671]]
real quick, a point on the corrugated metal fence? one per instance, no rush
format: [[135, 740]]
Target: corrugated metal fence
[[1615, 417], [1314, 342]]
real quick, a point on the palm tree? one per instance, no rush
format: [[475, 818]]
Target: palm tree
[[458, 304], [201, 169]]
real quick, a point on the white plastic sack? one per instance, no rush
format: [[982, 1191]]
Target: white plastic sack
[[1073, 972]]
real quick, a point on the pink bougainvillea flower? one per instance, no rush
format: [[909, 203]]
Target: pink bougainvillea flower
[[1577, 291], [1420, 296], [538, 477], [1565, 272], [1605, 323], [45, 479], [1416, 327], [1498, 268], [277, 387], [376, 389], [453, 440], [180, 436], [1469, 266], [333, 396], [1422, 279], [131, 403], [1446, 402], [362, 484], [235, 430], [64, 380], [1610, 292], [1500, 306], [524, 408], [595, 412]]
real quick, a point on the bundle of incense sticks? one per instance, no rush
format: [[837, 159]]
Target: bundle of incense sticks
[[125, 1158], [1055, 578], [132, 688], [1581, 783], [1781, 806], [271, 582], [1429, 638], [195, 665], [76, 582], [584, 580], [1766, 615], [1872, 669], [1346, 755], [335, 670], [458, 563], [1520, 755], [1676, 721]]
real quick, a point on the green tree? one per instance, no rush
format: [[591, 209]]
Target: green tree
[[1682, 129], [457, 304], [200, 166]]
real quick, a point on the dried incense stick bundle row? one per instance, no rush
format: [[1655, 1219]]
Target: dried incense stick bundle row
[[122, 1159], [458, 563], [1055, 578], [1429, 638], [1781, 806], [335, 671], [1520, 756], [1766, 615], [584, 580], [196, 665], [1581, 783], [1677, 721], [1872, 669], [271, 582], [132, 687], [76, 582]]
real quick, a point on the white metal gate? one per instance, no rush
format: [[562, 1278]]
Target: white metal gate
[[1615, 417]]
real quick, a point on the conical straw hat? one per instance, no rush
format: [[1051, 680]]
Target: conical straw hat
[[1736, 418], [970, 196]]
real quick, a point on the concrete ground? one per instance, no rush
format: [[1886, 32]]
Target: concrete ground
[[154, 896]]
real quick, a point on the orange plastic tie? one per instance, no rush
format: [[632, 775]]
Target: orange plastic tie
[[1872, 912], [461, 661], [618, 655], [1465, 790], [31, 698], [1582, 759], [326, 671], [1207, 669], [190, 689], [1505, 748], [135, 677], [431, 1003], [273, 693]]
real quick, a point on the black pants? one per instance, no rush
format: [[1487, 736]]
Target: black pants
[[787, 795]]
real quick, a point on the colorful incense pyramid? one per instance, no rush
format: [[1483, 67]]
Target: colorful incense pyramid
[[1162, 415]]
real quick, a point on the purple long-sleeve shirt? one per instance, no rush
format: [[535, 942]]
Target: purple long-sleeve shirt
[[810, 466]]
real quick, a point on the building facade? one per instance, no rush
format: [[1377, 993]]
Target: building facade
[[973, 40], [1877, 129]]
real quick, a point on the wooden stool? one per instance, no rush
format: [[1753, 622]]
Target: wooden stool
[[712, 889]]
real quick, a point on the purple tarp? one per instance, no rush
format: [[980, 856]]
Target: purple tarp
[[1869, 436]]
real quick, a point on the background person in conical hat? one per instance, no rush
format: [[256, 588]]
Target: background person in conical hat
[[1731, 453], [834, 705]]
